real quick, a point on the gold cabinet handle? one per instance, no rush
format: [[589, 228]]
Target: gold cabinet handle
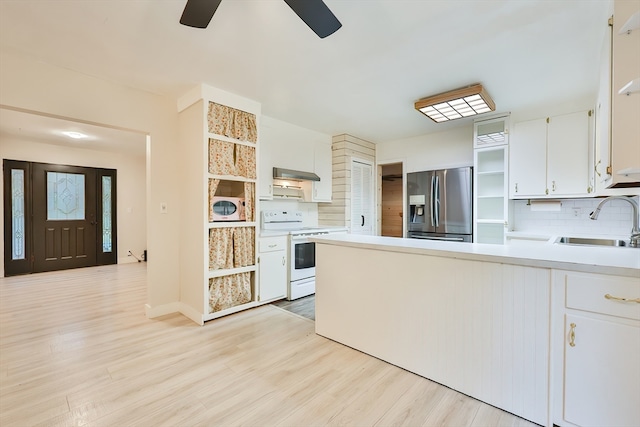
[[572, 335], [611, 297]]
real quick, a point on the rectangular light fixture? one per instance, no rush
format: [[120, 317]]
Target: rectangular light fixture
[[455, 104]]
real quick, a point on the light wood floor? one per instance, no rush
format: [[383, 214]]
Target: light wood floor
[[76, 349], [305, 307]]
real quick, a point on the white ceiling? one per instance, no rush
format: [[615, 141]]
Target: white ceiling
[[362, 80], [44, 129]]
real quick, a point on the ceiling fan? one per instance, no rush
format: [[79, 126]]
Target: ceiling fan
[[314, 13]]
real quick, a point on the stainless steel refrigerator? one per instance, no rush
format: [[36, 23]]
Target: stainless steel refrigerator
[[440, 205]]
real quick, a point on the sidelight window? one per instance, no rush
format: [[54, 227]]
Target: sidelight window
[[17, 214], [107, 245]]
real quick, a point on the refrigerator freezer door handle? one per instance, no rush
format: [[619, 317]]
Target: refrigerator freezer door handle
[[431, 214], [436, 213]]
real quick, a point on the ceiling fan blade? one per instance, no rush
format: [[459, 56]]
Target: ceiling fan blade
[[316, 15], [198, 13]]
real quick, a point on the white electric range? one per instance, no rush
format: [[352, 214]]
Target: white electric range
[[302, 253]]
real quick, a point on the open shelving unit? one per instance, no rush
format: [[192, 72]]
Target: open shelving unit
[[219, 269], [491, 204]]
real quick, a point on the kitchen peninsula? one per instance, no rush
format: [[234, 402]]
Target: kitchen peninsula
[[521, 328]]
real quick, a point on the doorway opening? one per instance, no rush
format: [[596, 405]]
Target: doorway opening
[[58, 217], [391, 197]]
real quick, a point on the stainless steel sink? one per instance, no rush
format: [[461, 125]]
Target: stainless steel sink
[[592, 242]]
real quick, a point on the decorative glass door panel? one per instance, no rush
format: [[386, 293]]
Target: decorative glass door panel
[[65, 196]]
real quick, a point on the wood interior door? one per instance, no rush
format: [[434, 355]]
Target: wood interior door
[[58, 217]]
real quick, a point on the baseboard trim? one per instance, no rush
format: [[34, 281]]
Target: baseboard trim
[[161, 310], [191, 313]]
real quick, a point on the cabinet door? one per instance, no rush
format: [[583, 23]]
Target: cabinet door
[[527, 159], [322, 162], [490, 132], [361, 198], [265, 166], [602, 372], [568, 154], [273, 275]]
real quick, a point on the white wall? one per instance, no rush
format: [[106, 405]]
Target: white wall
[[130, 181], [36, 86], [447, 149]]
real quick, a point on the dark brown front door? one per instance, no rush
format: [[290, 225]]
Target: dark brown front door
[[64, 217], [69, 217]]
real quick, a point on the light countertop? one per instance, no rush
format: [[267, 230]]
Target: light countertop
[[604, 260]]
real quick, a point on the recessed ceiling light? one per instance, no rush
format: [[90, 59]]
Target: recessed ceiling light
[[74, 135]]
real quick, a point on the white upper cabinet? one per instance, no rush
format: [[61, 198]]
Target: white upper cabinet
[[550, 157], [568, 154], [322, 166], [528, 159], [287, 146], [491, 132]]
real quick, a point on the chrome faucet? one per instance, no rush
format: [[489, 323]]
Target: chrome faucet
[[635, 232]]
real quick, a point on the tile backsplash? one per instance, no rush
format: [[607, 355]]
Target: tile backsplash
[[615, 218]]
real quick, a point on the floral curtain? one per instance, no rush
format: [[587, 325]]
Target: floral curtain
[[233, 123], [213, 186], [245, 161], [220, 248], [249, 191], [229, 291], [243, 246], [231, 247], [221, 157]]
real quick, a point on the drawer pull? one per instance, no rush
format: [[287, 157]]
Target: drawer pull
[[611, 297], [273, 246], [572, 335]]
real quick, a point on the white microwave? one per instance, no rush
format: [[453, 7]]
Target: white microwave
[[227, 208]]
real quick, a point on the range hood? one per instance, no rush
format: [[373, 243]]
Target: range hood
[[280, 173]]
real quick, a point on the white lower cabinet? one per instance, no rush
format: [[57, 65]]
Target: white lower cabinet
[[272, 270], [597, 350]]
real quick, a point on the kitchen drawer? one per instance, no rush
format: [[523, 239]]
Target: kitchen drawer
[[270, 244], [587, 292]]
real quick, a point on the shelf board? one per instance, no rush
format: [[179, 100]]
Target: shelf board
[[496, 196], [496, 172], [632, 87], [230, 310], [633, 23], [229, 224], [230, 178], [490, 221], [228, 139], [229, 271]]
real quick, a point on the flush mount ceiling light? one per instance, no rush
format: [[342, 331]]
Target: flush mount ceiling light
[[455, 104], [74, 135]]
